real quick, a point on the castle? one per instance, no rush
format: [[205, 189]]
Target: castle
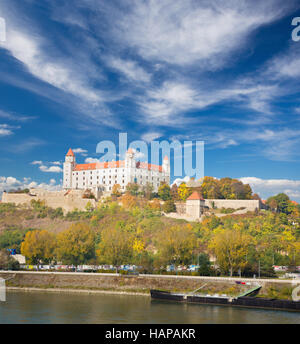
[[102, 176]]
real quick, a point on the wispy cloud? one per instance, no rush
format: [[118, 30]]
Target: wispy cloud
[[269, 187], [130, 69]]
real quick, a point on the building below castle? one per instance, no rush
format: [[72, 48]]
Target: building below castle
[[102, 176]]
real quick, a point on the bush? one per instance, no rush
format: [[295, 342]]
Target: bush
[[169, 206]]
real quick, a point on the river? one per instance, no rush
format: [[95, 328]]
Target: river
[[52, 308]]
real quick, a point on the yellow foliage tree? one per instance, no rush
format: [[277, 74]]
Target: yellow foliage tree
[[184, 192], [38, 245], [231, 247], [116, 246], [76, 245], [176, 244]]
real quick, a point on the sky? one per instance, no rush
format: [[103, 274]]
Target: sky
[[74, 73]]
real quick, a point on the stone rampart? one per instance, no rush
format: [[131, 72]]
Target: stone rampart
[[67, 200], [250, 205]]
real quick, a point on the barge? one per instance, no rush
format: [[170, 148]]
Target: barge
[[241, 301]]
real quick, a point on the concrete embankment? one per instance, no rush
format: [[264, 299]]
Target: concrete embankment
[[141, 284]]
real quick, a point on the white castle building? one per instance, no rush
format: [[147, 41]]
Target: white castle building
[[102, 176]]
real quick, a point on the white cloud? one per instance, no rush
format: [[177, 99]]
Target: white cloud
[[56, 162], [12, 183], [91, 160], [186, 32], [80, 151], [51, 169], [151, 136], [15, 117], [37, 162], [5, 130], [27, 49], [130, 69], [178, 181], [269, 187]]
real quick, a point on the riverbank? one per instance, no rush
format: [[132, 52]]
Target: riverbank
[[72, 291], [142, 284]]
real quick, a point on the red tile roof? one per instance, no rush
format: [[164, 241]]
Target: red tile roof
[[70, 153], [195, 196], [294, 202], [115, 164]]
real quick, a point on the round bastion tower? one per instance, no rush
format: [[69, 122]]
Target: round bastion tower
[[69, 166]]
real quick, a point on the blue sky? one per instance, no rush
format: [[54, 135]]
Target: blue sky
[[73, 73]]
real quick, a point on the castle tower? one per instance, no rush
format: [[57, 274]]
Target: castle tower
[[166, 165], [69, 166], [130, 165]]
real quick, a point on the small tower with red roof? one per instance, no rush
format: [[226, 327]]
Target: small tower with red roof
[[195, 205], [69, 166]]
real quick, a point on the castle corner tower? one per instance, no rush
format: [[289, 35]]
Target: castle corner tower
[[69, 166]]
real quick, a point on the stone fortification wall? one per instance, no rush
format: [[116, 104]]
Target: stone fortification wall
[[250, 205], [67, 200]]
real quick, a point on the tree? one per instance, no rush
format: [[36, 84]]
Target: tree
[[155, 204], [204, 265], [129, 201], [7, 262], [76, 245], [116, 246], [184, 192], [169, 206], [279, 203], [38, 245], [176, 244], [132, 188], [147, 190], [174, 192], [230, 247], [12, 238], [116, 190], [164, 192]]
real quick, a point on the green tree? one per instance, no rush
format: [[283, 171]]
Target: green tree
[[132, 188], [76, 245], [169, 206], [7, 262], [164, 192]]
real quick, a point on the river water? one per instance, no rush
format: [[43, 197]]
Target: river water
[[52, 308]]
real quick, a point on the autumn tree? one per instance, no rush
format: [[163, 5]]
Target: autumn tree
[[176, 244], [38, 245], [174, 192], [116, 246], [155, 204], [230, 247], [184, 192], [164, 192], [116, 190], [129, 201], [76, 245]]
